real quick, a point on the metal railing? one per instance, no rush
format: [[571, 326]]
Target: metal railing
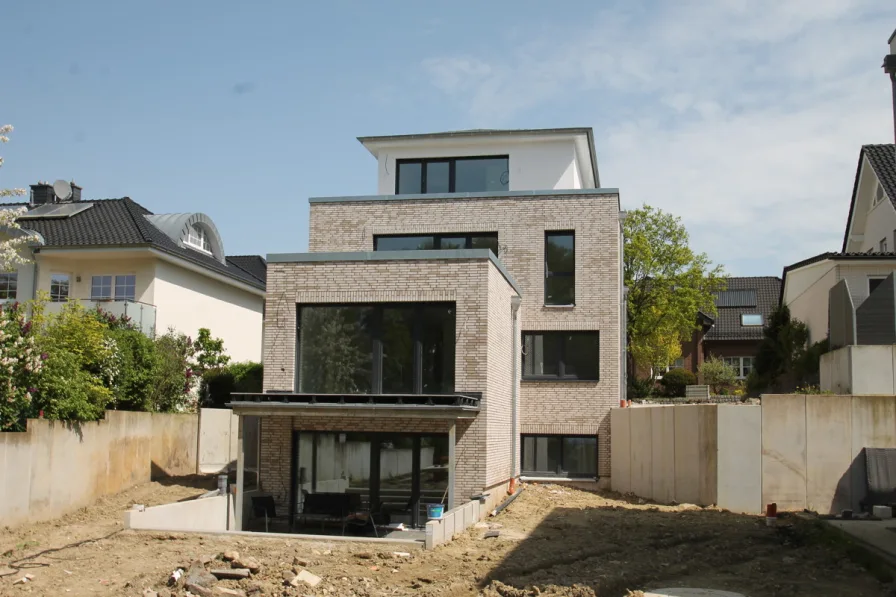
[[142, 315]]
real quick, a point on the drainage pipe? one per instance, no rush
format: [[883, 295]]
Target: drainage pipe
[[507, 502], [514, 383]]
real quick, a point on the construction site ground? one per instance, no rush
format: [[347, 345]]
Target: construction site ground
[[552, 541]]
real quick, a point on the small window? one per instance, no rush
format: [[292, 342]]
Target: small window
[[741, 365], [59, 287], [750, 319], [559, 268], [561, 356], [878, 193], [197, 238], [882, 246], [678, 363], [125, 287], [9, 284], [874, 282], [559, 456], [101, 287]]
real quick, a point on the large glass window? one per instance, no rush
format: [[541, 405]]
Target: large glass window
[[453, 175], [561, 355], [424, 242], [122, 287], [376, 349], [559, 455], [559, 268], [9, 284], [59, 287]]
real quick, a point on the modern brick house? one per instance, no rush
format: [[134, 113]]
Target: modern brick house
[[734, 333], [444, 337]]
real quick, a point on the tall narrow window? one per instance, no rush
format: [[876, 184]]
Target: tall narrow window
[[59, 287], [9, 284], [559, 268]]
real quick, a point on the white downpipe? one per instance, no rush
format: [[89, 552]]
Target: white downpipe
[[514, 398]]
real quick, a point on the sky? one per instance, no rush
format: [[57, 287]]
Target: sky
[[743, 117]]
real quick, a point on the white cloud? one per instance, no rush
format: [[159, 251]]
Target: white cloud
[[743, 117]]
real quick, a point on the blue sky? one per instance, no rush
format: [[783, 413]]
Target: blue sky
[[743, 117]]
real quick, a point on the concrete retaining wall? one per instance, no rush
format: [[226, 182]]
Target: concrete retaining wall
[[859, 370], [217, 440], [801, 452], [206, 514], [55, 467], [454, 522]]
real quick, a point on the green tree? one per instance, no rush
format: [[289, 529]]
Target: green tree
[[208, 352], [785, 359], [174, 376], [668, 283], [718, 374]]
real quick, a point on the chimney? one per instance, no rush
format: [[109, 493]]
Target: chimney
[[76, 192], [42, 193]]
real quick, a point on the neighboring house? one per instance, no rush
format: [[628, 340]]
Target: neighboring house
[[734, 334], [868, 254], [441, 337], [162, 270]]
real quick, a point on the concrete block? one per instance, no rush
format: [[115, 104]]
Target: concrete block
[[708, 449], [883, 512], [784, 451], [448, 526], [739, 467], [687, 455], [459, 521], [663, 453], [641, 452], [828, 453], [872, 370], [620, 450], [477, 511]]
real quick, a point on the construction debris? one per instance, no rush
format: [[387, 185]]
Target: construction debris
[[312, 580], [175, 577], [149, 593], [491, 534], [229, 556], [233, 592], [24, 579], [230, 573], [7, 571], [245, 562]]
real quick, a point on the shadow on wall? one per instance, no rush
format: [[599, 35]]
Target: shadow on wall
[[610, 550]]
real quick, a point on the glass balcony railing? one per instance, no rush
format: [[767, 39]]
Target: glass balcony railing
[[142, 315]]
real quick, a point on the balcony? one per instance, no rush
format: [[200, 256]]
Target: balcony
[[142, 315]]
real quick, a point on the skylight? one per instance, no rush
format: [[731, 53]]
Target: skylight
[[55, 211], [749, 319]]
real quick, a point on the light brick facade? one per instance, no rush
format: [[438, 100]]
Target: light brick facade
[[483, 351], [580, 408]]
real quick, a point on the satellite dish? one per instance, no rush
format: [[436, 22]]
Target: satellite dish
[[62, 189]]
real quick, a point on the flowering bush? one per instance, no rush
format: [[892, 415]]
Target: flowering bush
[[21, 364]]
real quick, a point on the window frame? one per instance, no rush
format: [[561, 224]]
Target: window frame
[[549, 274], [58, 298], [111, 287], [739, 368], [124, 285], [376, 370], [202, 236], [437, 238], [752, 325], [452, 171], [563, 473], [561, 362], [9, 283]]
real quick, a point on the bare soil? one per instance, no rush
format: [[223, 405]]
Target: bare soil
[[553, 541]]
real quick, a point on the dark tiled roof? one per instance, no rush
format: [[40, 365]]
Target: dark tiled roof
[[121, 223], [254, 265], [728, 322], [883, 161]]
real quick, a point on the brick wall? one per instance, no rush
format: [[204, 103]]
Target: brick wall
[[520, 223], [483, 334]]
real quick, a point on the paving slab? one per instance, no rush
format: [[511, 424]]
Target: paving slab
[[877, 535]]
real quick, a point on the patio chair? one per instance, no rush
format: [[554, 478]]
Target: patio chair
[[263, 506]]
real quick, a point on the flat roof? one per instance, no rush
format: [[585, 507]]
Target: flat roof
[[543, 194], [422, 255], [588, 132]]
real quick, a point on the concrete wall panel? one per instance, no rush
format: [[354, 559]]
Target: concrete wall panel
[[739, 458], [620, 450], [873, 426], [642, 451], [663, 453], [687, 455], [208, 514], [708, 448], [217, 438], [784, 451], [872, 370], [828, 453]]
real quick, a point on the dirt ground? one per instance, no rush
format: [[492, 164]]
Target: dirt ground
[[553, 541]]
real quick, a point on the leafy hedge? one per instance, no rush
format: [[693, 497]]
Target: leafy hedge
[[675, 381], [218, 384]]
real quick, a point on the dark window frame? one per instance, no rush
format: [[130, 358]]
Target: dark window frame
[[376, 373], [452, 172], [562, 473], [549, 274], [878, 279], [437, 238], [561, 362]]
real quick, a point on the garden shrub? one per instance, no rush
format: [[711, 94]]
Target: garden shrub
[[218, 384], [675, 381], [21, 365], [718, 375]]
